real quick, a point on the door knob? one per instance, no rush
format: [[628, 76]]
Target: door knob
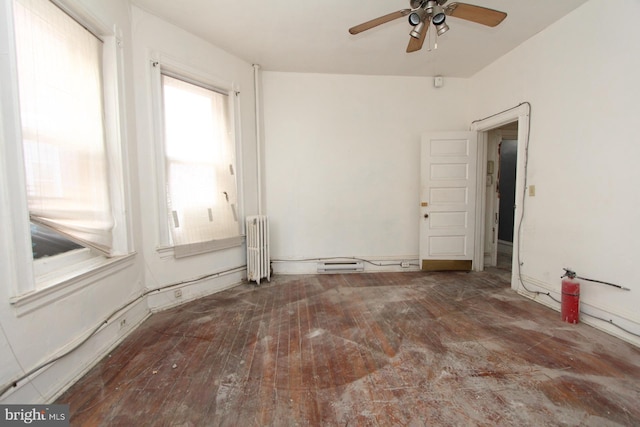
[[426, 215]]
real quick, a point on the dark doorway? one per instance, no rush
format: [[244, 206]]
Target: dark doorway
[[507, 188]]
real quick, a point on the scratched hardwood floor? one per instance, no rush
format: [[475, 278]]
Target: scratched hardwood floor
[[385, 349]]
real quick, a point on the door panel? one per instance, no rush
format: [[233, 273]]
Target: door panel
[[448, 200], [448, 195], [445, 246], [448, 219]]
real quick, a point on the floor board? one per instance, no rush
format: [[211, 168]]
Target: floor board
[[384, 349]]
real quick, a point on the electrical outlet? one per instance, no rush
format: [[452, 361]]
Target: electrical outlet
[[177, 293], [123, 323], [404, 264]]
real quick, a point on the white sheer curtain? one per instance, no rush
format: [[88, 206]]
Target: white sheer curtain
[[200, 162], [59, 73]]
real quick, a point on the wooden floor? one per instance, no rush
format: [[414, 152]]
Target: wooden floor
[[385, 349]]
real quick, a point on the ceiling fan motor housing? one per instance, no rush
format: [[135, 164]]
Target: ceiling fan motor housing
[[420, 3]]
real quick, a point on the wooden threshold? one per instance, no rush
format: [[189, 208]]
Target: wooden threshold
[[446, 265]]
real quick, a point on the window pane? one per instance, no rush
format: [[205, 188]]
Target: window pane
[[200, 163], [59, 72], [47, 242]]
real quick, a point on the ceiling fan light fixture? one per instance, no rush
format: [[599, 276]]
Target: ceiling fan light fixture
[[430, 5], [442, 28], [416, 33], [417, 16], [414, 19], [438, 17]]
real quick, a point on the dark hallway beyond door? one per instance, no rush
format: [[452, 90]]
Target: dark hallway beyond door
[[507, 186]]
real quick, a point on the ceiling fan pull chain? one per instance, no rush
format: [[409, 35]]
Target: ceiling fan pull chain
[[435, 42], [434, 45]]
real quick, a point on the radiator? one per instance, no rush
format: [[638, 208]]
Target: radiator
[[258, 263]]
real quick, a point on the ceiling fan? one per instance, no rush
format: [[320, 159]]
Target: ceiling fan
[[423, 13]]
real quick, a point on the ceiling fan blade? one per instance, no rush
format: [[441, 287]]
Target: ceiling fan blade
[[416, 44], [478, 14], [379, 21]]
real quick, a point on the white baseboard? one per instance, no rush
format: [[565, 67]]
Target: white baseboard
[[166, 298], [628, 320], [47, 384], [50, 382], [377, 265]]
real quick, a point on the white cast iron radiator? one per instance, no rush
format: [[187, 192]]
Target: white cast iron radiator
[[258, 263]]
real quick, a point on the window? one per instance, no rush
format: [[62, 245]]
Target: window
[[61, 103], [200, 169], [69, 109]]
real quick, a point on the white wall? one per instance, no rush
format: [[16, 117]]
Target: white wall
[[581, 78], [156, 39], [29, 337], [343, 158]]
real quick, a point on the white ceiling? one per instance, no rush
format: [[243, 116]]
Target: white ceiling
[[312, 35]]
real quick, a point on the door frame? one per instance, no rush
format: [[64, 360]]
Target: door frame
[[520, 114]]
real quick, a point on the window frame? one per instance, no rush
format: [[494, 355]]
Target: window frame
[[75, 269], [162, 65]]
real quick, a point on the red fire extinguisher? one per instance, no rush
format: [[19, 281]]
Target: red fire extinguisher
[[570, 297]]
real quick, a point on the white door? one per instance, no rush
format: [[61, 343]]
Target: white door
[[448, 200]]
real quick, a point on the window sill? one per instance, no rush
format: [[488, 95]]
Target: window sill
[[199, 248], [57, 285]]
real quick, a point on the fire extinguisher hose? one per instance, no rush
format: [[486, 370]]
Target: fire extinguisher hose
[[572, 274]]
